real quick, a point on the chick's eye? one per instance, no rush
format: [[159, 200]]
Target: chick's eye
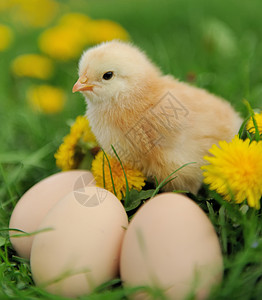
[[108, 75]]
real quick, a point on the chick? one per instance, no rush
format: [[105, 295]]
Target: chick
[[155, 122]]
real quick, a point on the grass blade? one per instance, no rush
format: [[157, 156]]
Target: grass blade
[[110, 170], [10, 193], [104, 180], [243, 125], [167, 179], [127, 187]]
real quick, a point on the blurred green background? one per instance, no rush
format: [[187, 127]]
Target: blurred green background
[[212, 44]]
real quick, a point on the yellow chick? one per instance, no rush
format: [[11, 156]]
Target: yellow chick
[[154, 121]]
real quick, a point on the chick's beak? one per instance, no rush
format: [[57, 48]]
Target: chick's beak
[[82, 85]]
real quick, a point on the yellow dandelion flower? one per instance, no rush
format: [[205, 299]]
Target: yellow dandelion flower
[[235, 170], [34, 13], [105, 30], [135, 178], [46, 99], [32, 65], [65, 155], [69, 154], [81, 129], [250, 125], [6, 37]]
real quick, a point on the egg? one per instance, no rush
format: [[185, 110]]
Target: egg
[[82, 249], [38, 200], [171, 244]]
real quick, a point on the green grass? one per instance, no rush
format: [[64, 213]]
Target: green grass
[[176, 35]]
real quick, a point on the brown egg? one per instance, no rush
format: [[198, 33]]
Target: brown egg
[[83, 249], [171, 244], [37, 201]]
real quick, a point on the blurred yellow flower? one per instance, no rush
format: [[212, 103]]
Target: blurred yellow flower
[[46, 99], [250, 125], [66, 40], [105, 30], [61, 42], [135, 178], [6, 36], [35, 13], [5, 5], [32, 65], [74, 32], [70, 153], [76, 20], [80, 24]]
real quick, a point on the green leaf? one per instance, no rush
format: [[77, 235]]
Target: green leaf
[[2, 241], [222, 223], [211, 213], [243, 125], [136, 197], [257, 134], [86, 163]]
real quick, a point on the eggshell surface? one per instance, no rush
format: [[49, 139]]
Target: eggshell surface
[[83, 249], [171, 244], [38, 200]]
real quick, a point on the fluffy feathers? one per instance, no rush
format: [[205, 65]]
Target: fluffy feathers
[[154, 121]]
